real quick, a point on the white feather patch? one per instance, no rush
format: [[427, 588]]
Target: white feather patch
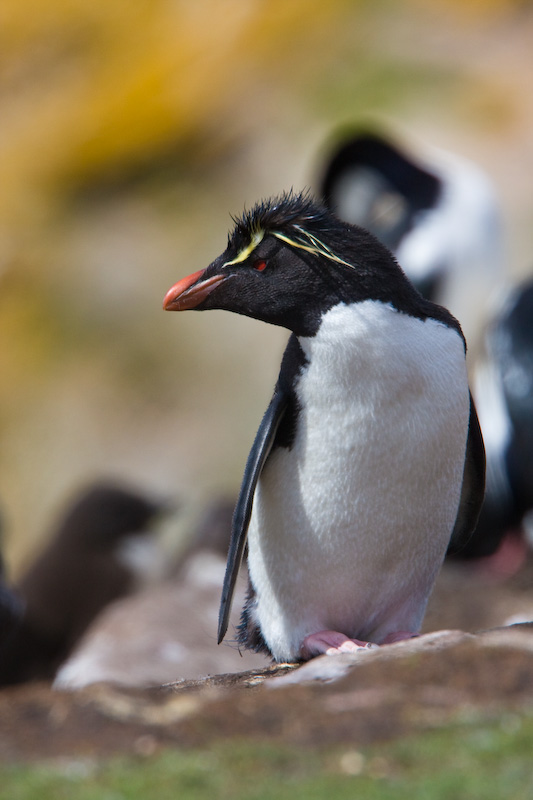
[[350, 527]]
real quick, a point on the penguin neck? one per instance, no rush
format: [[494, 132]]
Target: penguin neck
[[367, 323], [346, 331], [372, 340]]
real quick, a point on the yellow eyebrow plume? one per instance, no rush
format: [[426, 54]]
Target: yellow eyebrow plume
[[257, 237], [306, 241], [313, 245]]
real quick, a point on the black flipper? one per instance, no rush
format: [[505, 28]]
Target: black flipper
[[473, 488], [261, 447]]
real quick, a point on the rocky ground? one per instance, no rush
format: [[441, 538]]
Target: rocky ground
[[472, 666]]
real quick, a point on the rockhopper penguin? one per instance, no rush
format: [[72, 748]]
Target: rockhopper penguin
[[369, 457]]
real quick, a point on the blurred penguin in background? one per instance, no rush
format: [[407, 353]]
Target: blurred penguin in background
[[503, 388], [101, 549], [437, 212]]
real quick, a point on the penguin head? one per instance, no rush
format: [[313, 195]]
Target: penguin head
[[288, 261]]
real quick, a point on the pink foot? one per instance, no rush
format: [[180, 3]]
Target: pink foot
[[331, 643], [398, 636]]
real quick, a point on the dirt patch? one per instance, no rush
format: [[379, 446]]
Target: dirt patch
[[386, 693]]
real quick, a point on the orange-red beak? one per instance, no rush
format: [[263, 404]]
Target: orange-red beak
[[188, 293]]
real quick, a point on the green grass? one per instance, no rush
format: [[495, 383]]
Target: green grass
[[463, 762]]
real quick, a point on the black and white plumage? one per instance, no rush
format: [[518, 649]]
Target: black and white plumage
[[503, 386], [436, 211], [512, 346], [352, 489]]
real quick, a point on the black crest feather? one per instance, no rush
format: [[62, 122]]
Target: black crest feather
[[281, 214]]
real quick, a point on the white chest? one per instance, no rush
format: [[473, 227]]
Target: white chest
[[363, 505]]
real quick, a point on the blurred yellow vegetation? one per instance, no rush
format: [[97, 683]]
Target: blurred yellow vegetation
[[90, 87], [90, 90], [87, 87]]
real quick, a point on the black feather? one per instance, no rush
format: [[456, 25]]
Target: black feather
[[281, 213]]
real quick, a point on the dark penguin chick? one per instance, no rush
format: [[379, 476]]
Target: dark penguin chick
[[86, 564], [353, 487], [166, 631], [437, 212], [503, 388]]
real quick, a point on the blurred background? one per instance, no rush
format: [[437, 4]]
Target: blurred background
[[128, 135]]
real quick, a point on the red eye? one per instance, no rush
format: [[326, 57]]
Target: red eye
[[260, 265]]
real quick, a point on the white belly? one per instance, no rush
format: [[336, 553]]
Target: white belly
[[349, 527]]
